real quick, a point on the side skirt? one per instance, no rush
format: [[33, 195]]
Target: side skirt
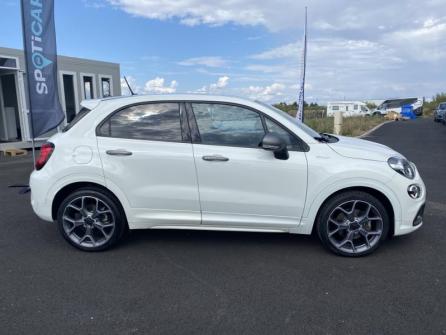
[[215, 228]]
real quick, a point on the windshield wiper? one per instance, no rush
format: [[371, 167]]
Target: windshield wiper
[[322, 138], [326, 138]]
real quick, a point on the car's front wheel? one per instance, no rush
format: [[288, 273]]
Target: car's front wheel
[[352, 224], [91, 219]]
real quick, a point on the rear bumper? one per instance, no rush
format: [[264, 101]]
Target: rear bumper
[[39, 201]]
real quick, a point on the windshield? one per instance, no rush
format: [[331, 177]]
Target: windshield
[[442, 106], [309, 131]]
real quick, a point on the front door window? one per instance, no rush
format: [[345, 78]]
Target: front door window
[[228, 125]]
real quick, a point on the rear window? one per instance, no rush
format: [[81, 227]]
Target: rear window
[[84, 111]]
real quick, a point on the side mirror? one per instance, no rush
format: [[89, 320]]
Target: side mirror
[[273, 142]]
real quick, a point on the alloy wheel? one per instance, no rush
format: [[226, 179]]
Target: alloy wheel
[[88, 221], [354, 226]]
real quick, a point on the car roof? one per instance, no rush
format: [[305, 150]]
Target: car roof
[[134, 99]]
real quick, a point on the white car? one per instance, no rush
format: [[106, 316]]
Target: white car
[[219, 163]]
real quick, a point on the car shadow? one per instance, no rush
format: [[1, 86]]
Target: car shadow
[[136, 238]]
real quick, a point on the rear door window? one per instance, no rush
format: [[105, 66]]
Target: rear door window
[[153, 122]]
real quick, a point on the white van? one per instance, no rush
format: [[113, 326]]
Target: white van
[[348, 108], [396, 105]]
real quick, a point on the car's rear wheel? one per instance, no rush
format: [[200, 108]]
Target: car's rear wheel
[[91, 219], [352, 224]]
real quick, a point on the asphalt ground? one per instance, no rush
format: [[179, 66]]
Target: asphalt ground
[[192, 282]]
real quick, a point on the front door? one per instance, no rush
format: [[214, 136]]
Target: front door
[[240, 184], [147, 154]]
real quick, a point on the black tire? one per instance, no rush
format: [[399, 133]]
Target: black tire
[[113, 210], [361, 198]]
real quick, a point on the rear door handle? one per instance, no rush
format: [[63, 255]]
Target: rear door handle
[[119, 152], [215, 158]]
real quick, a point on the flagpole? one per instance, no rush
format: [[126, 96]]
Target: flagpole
[[28, 98], [300, 104]]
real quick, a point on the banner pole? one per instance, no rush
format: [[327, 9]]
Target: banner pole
[[27, 94]]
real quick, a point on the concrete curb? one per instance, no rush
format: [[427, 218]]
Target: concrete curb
[[368, 132]]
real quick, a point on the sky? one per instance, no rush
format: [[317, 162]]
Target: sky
[[357, 50]]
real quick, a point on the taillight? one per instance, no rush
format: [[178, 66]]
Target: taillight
[[45, 153]]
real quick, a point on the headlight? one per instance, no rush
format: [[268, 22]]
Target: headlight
[[402, 166]]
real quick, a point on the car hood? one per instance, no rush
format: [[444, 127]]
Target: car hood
[[356, 148]]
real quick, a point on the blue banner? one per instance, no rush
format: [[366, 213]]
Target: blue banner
[[39, 38]]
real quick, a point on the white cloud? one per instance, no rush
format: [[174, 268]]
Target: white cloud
[[221, 84], [265, 93], [195, 12], [424, 43], [284, 51], [357, 49], [326, 15], [157, 86], [205, 61]]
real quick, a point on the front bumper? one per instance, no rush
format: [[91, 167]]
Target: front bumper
[[409, 215]]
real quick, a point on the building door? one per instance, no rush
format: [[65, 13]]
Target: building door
[[9, 108], [69, 95]]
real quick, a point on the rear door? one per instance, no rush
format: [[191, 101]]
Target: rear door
[[240, 184], [147, 154]]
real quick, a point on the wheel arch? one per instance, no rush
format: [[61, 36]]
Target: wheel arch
[[72, 187], [370, 190]]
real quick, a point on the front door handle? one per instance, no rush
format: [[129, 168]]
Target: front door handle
[[215, 158], [119, 152]]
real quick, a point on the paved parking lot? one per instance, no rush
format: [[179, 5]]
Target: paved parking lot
[[188, 282]]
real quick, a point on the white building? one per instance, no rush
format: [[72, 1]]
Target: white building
[[348, 108], [79, 79]]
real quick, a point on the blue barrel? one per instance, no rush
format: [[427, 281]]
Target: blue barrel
[[407, 111]]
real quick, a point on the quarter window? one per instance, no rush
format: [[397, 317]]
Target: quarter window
[[228, 125], [291, 141], [153, 122]]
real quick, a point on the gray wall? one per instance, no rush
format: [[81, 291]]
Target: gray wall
[[79, 66]]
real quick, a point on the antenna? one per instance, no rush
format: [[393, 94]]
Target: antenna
[[128, 85]]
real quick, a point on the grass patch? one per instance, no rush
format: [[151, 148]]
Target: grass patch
[[352, 126]]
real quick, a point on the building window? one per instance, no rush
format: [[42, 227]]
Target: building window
[[106, 87], [8, 63], [355, 107], [88, 87], [69, 96]]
